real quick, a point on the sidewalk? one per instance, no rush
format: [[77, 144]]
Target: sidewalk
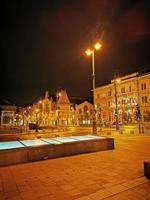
[[110, 175]]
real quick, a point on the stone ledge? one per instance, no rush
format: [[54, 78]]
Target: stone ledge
[[29, 154]]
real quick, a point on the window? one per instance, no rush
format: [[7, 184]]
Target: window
[[122, 90], [144, 99], [80, 111], [98, 96], [85, 109], [129, 88], [143, 86]]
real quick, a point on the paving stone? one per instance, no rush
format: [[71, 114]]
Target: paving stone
[[115, 174]]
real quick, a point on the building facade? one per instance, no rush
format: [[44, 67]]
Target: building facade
[[7, 114], [48, 111], [132, 93], [84, 113], [58, 111], [63, 109]]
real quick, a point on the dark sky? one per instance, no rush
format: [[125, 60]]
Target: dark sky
[[43, 44]]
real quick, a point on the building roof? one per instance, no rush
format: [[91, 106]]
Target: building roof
[[78, 100], [63, 97], [6, 103]]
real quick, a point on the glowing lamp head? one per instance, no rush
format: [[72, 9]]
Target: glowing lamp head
[[88, 52], [59, 94], [118, 80], [97, 46], [37, 110], [40, 101]]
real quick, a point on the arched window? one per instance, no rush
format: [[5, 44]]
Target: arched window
[[85, 109]]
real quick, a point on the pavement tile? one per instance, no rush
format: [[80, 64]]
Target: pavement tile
[[115, 174], [117, 188], [100, 194], [84, 198]]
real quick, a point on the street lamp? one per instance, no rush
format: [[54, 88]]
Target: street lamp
[[116, 81], [91, 52], [36, 127]]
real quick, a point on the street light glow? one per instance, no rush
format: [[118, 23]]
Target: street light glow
[[88, 52], [59, 94], [97, 46], [118, 80], [37, 110]]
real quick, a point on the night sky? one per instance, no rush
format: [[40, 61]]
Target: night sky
[[43, 44]]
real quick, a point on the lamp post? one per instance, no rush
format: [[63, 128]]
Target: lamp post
[[138, 112], [91, 52], [58, 95], [36, 127], [116, 104]]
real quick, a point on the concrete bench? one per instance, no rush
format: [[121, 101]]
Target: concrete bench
[[147, 169]]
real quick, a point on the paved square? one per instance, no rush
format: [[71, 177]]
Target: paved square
[[110, 175]]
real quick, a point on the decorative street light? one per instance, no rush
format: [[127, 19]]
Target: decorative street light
[[36, 127], [58, 95], [138, 111], [116, 81], [91, 52]]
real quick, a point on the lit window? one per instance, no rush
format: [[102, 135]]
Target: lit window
[[85, 109], [142, 86], [122, 90]]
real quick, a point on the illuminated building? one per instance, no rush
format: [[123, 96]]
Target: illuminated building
[[84, 113], [63, 108], [132, 90], [7, 113]]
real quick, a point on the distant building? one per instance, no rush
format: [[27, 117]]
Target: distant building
[[57, 111], [7, 113], [63, 108], [7, 106], [132, 91], [84, 113]]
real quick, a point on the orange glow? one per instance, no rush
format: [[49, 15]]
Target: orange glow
[[97, 46], [118, 80], [59, 94], [37, 110], [88, 52]]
